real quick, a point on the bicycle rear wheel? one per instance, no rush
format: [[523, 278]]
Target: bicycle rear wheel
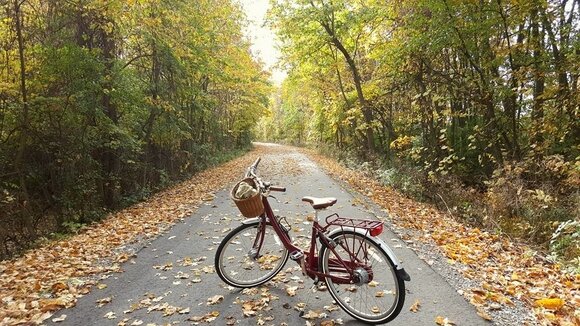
[[243, 259], [373, 292]]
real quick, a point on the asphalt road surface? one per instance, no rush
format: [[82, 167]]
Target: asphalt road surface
[[171, 278]]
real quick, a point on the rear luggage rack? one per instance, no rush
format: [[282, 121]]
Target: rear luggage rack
[[374, 227]]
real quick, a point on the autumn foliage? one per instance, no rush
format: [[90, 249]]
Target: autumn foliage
[[54, 276], [102, 103], [472, 105]]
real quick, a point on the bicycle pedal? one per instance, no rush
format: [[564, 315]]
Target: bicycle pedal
[[296, 255]]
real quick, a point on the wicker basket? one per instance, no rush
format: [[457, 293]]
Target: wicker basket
[[250, 207]]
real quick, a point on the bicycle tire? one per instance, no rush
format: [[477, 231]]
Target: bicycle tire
[[388, 284], [273, 255]]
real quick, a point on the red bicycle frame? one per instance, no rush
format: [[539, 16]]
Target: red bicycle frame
[[308, 260]]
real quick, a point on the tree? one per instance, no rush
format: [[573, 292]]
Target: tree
[[307, 26]]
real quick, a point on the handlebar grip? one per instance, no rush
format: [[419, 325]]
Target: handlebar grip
[[280, 189], [255, 165]]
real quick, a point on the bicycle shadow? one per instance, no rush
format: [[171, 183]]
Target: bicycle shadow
[[285, 308]]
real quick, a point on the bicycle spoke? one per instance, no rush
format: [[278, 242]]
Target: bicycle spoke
[[244, 262], [373, 294]]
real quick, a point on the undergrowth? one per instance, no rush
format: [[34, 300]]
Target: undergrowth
[[537, 202], [17, 235]]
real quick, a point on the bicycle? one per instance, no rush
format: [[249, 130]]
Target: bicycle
[[353, 262]]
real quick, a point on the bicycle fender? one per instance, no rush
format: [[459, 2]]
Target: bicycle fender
[[398, 267], [251, 220]]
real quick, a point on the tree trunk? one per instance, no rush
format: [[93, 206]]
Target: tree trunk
[[539, 82], [110, 160], [366, 110], [23, 123]]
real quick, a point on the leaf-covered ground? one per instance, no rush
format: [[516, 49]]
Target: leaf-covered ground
[[504, 269], [53, 276]]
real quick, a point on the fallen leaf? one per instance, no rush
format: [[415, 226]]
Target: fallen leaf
[[415, 306], [550, 303], [52, 304], [209, 317], [196, 318], [331, 308], [104, 301], [59, 319], [311, 315], [443, 321], [215, 299], [58, 286], [110, 315], [291, 290], [181, 275], [483, 314], [123, 322]]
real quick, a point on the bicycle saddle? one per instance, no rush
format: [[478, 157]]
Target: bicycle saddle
[[319, 203]]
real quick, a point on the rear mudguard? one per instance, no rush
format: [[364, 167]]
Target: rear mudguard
[[398, 267]]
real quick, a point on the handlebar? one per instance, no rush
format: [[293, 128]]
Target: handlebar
[[265, 186], [252, 169]]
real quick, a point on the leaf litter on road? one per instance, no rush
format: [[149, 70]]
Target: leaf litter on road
[[93, 250]]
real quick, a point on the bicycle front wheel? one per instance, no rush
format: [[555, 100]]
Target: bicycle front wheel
[[363, 279], [247, 258]]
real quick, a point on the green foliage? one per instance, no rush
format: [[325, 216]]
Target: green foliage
[[122, 99], [565, 243], [467, 97]]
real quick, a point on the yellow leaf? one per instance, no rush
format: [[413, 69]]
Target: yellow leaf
[[550, 303], [443, 321], [483, 314], [291, 290], [415, 306], [58, 286], [215, 299]]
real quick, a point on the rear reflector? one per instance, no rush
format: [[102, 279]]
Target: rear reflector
[[377, 230]]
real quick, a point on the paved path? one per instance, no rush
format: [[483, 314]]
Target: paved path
[[157, 272]]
